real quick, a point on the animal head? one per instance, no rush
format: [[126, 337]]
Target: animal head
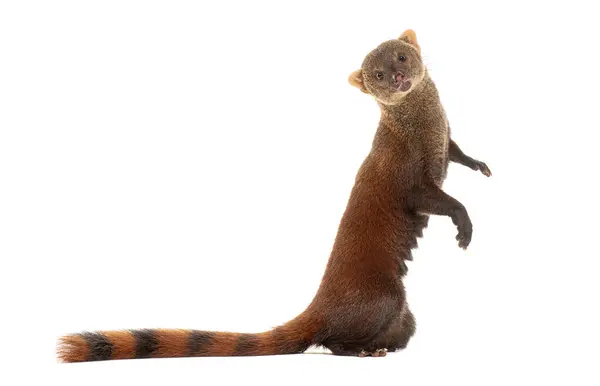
[[392, 70]]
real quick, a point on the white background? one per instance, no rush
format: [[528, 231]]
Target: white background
[[186, 164]]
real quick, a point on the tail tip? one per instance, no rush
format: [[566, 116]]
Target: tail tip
[[71, 348]]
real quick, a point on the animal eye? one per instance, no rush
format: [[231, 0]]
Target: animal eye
[[402, 58], [379, 75]]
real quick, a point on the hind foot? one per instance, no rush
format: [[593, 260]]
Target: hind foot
[[380, 352], [356, 352]]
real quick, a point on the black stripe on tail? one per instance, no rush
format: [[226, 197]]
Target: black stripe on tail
[[247, 345], [146, 343], [99, 345], [199, 341]]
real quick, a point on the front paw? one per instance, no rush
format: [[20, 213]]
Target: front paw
[[465, 228], [483, 168], [464, 235]]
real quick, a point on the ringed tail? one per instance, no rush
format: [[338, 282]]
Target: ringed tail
[[293, 337]]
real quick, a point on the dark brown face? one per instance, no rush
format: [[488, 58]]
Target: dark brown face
[[392, 70]]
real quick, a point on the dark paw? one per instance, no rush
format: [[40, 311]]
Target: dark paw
[[483, 168], [464, 235], [465, 229]]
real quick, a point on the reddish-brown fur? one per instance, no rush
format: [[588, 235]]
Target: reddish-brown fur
[[123, 344], [171, 343], [72, 348], [360, 308]]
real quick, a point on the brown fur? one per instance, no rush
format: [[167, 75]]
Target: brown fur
[[171, 343], [360, 308], [123, 344]]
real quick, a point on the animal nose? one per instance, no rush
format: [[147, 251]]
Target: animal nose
[[399, 77]]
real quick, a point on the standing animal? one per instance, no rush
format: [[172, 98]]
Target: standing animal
[[360, 308]]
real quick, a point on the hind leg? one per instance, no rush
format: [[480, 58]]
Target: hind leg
[[401, 336], [354, 324], [399, 332], [375, 346], [363, 346], [359, 348]]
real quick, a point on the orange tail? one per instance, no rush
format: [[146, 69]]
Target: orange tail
[[291, 338]]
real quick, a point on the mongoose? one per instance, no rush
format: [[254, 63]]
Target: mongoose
[[360, 308]]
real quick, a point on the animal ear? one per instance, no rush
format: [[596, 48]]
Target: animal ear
[[409, 36], [356, 79]]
